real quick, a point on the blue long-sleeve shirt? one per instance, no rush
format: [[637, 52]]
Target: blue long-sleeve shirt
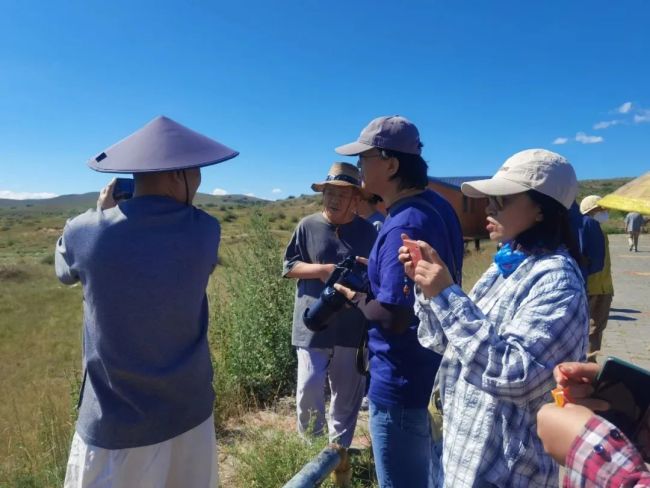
[[144, 266]]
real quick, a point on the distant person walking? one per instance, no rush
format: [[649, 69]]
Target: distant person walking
[[633, 223], [600, 286], [318, 243], [146, 400]]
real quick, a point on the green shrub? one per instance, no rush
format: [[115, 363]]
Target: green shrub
[[251, 332], [13, 272], [230, 217]]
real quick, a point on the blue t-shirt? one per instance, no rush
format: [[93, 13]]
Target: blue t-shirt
[[376, 219], [144, 266], [590, 240], [401, 370]]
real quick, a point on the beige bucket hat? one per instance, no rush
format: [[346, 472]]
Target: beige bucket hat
[[342, 174]]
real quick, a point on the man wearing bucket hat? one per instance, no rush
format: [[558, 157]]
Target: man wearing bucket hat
[[146, 400], [500, 343], [401, 370], [319, 242], [600, 286]]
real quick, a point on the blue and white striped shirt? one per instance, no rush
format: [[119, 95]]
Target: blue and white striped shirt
[[499, 349]]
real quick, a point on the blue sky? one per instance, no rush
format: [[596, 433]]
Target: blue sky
[[285, 82]]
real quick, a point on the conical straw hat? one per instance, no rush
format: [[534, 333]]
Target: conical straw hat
[[161, 145]]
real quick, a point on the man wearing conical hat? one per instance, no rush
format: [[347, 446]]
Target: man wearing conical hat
[[146, 400], [319, 242]]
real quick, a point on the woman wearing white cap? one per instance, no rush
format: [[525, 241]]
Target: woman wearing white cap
[[526, 314]]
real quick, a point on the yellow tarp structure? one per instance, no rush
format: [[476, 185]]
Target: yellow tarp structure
[[631, 197]]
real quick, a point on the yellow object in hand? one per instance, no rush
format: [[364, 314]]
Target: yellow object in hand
[[558, 396]]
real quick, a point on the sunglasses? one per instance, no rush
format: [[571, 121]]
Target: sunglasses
[[499, 201]]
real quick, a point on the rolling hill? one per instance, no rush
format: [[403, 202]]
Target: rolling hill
[[88, 200]]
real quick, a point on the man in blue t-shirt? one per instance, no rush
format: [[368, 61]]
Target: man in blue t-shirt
[[401, 370], [146, 401]]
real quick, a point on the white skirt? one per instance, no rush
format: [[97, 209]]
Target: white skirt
[[185, 461]]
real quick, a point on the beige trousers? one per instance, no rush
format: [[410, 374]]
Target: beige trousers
[[185, 461]]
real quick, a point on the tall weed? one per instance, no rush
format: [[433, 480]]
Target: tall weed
[[251, 324]]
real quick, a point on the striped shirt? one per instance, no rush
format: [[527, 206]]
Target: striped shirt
[[499, 348]]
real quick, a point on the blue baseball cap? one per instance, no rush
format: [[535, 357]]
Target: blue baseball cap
[[392, 132], [161, 145]]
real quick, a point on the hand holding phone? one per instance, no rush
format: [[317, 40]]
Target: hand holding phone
[[414, 251], [626, 388]]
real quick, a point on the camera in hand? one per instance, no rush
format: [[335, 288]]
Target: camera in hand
[[348, 273], [123, 189]]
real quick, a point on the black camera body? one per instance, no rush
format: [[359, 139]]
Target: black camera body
[[348, 273], [123, 189]]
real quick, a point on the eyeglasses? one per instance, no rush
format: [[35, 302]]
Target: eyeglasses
[[362, 157], [498, 201]]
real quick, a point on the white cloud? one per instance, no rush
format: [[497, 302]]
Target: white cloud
[[249, 194], [585, 139], [607, 123], [276, 190], [643, 116], [24, 195], [561, 140], [625, 108], [219, 191]]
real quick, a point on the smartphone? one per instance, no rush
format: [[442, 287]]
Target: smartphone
[[627, 389], [123, 189], [414, 251]]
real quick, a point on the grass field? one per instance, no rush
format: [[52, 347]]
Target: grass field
[[40, 330]]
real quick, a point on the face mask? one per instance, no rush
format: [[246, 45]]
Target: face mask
[[508, 260], [601, 217]]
